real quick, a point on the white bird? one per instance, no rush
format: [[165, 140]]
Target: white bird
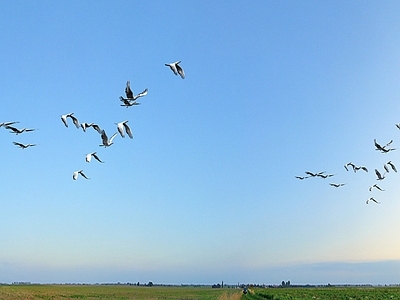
[[64, 119], [18, 131], [122, 126], [94, 154], [372, 199], [107, 142], [23, 146], [176, 68], [76, 174]]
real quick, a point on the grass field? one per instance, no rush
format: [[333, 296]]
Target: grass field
[[119, 292], [331, 293]]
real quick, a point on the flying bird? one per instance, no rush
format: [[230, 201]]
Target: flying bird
[[176, 68], [128, 103], [375, 186], [96, 127], [64, 119], [398, 125], [392, 166], [5, 124], [77, 173], [107, 142], [74, 120], [85, 125], [336, 185], [315, 174], [384, 149], [360, 168], [325, 175], [130, 95], [372, 199], [123, 127], [23, 146], [94, 154], [302, 177], [378, 174], [19, 131]]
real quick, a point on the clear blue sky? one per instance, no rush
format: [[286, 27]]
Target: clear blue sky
[[206, 190]]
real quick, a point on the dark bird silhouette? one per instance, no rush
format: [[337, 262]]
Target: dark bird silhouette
[[375, 186], [302, 177], [19, 131], [378, 174], [372, 199], [23, 146], [384, 149], [314, 174], [392, 166], [336, 185]]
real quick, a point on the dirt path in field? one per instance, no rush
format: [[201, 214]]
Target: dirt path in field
[[235, 296]]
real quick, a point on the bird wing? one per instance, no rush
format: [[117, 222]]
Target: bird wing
[[392, 166], [97, 128], [128, 91], [96, 157], [83, 175], [104, 137], [128, 130], [173, 68], [113, 136], [144, 93], [75, 120], [64, 119], [378, 174], [120, 128], [180, 71]]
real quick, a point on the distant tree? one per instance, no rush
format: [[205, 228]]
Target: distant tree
[[150, 283], [283, 284]]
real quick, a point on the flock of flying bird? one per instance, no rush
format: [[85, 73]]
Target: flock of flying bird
[[388, 167], [122, 127]]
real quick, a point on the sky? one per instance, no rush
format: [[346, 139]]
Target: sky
[[206, 189]]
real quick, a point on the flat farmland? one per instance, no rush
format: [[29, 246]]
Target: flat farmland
[[55, 292], [331, 293]]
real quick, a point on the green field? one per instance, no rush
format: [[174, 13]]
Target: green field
[[120, 292], [55, 292], [332, 293]]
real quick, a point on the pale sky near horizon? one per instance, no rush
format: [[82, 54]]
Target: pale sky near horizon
[[206, 190]]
